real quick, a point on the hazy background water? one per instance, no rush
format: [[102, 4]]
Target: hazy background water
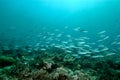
[[20, 19]]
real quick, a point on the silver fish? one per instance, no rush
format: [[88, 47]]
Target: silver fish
[[102, 32]]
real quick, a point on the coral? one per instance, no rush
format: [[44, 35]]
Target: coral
[[47, 65], [41, 74], [62, 74]]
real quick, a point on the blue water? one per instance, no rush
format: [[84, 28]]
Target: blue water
[[59, 39], [21, 21]]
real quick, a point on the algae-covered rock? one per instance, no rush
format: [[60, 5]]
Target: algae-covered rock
[[6, 61]]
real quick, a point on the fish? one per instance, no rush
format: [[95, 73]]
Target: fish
[[96, 50], [64, 42], [69, 36], [68, 51], [36, 49], [79, 39], [118, 43], [37, 44], [57, 46], [102, 32], [43, 49], [92, 43], [84, 31], [113, 43], [101, 46], [80, 43], [84, 51], [118, 36], [104, 49], [100, 40], [110, 54], [87, 46], [76, 56], [59, 35], [86, 38], [78, 29], [44, 37], [98, 56], [106, 37]]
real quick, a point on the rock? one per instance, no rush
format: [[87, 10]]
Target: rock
[[6, 61]]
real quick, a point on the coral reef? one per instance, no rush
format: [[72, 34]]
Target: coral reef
[[49, 65]]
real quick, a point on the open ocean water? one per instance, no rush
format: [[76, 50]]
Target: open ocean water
[[59, 39]]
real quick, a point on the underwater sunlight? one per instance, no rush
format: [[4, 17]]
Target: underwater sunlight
[[72, 5]]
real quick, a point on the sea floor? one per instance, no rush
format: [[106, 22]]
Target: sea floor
[[56, 64]]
